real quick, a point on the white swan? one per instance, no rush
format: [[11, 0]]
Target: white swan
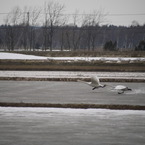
[[95, 83], [121, 89]]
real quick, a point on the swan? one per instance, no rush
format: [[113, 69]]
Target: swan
[[95, 83], [121, 89]]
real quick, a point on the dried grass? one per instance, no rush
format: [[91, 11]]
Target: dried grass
[[55, 65]]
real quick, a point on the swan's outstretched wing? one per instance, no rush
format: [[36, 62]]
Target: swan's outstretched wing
[[95, 80], [88, 83]]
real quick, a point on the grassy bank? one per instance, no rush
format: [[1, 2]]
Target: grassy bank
[[55, 65]]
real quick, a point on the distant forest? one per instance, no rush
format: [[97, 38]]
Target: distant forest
[[90, 38], [22, 32]]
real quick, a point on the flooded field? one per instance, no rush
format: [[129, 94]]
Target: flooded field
[[69, 92]]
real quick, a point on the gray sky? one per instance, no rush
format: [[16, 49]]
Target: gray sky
[[135, 7]]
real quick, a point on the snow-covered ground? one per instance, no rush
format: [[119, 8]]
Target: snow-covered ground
[[72, 74], [4, 55], [27, 126], [29, 111], [103, 59]]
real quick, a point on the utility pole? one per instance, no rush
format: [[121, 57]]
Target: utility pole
[[28, 33], [28, 18]]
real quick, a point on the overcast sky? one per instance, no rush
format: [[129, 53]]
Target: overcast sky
[[134, 7]]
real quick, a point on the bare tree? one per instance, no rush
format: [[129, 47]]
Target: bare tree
[[68, 39], [53, 18], [25, 32], [13, 17], [29, 22], [62, 38], [77, 33], [90, 23], [12, 20], [34, 14]]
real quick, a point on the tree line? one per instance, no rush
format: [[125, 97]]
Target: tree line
[[50, 29]]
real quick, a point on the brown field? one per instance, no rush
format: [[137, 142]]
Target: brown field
[[70, 66]]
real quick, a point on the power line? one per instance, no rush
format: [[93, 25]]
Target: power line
[[4, 13], [14, 13], [125, 14], [137, 14]]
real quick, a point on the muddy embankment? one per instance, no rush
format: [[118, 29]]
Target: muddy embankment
[[70, 79], [75, 106]]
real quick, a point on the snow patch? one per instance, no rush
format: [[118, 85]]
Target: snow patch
[[4, 55], [15, 56]]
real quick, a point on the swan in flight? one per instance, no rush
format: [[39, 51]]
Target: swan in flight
[[121, 89], [95, 83]]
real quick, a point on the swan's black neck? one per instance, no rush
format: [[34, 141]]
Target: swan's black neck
[[103, 86]]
